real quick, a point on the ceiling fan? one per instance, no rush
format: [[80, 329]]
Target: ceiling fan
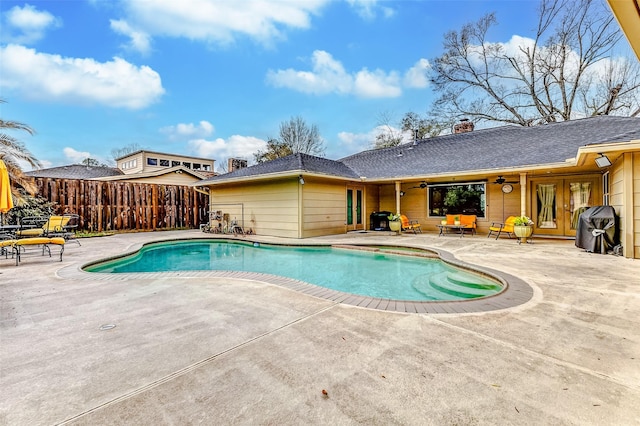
[[502, 180], [422, 185]]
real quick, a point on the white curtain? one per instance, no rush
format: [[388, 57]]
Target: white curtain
[[546, 198]]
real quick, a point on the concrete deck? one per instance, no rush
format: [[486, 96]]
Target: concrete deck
[[195, 349]]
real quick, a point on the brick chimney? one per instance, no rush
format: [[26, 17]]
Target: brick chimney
[[463, 126]]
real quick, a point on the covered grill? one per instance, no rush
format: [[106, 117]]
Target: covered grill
[[379, 221], [597, 230]]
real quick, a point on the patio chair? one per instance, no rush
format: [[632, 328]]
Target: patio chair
[[410, 225], [502, 227], [53, 226]]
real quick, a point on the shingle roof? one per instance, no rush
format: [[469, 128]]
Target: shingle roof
[[76, 171], [494, 148], [295, 162]]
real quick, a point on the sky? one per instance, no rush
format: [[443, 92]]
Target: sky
[[216, 78]]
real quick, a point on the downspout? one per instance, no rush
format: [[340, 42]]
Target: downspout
[[300, 206]]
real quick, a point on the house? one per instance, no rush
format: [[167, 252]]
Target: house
[[549, 172], [139, 167], [162, 168]]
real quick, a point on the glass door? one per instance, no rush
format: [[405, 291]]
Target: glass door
[[354, 209], [558, 203]]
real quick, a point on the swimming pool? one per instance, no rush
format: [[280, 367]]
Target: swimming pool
[[380, 273]]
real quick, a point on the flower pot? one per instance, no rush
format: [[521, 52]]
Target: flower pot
[[443, 222], [395, 225], [456, 222], [523, 232]]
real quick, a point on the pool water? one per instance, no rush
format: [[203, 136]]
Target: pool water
[[375, 274]]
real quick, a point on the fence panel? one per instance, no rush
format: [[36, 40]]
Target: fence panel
[[120, 206]]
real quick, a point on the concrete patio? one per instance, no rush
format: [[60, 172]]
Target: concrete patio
[[192, 349]]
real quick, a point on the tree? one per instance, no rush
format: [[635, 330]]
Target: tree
[[411, 126], [125, 150], [12, 151], [92, 162], [422, 127], [387, 135], [564, 71], [295, 137], [275, 149]]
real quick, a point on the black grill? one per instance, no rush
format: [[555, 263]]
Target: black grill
[[379, 221]]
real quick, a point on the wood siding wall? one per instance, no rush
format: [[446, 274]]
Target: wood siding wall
[[118, 206], [266, 208], [325, 209], [624, 181]]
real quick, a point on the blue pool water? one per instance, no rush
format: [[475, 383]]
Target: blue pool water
[[374, 274]]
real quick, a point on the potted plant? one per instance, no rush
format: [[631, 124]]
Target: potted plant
[[443, 222], [394, 223], [523, 227], [456, 220]]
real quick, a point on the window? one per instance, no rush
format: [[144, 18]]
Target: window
[[206, 167], [164, 163], [175, 163], [459, 198], [196, 166], [152, 161], [605, 189], [187, 165]]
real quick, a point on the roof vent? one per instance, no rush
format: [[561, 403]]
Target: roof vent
[[463, 126]]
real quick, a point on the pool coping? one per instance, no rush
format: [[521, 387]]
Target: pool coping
[[516, 291]]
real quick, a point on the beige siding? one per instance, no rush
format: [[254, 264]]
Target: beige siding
[[325, 208], [371, 203], [625, 198], [269, 208]]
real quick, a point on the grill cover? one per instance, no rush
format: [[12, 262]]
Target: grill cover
[[597, 231], [379, 221]]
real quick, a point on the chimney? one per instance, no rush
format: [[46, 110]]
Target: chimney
[[463, 126]]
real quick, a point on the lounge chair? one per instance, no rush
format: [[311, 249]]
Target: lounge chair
[[410, 225], [18, 246], [502, 227], [54, 226]]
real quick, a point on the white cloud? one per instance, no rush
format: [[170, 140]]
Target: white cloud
[[236, 146], [368, 9], [42, 76], [217, 22], [76, 157], [189, 131], [27, 25], [377, 84], [352, 143], [139, 41], [416, 76], [328, 75]]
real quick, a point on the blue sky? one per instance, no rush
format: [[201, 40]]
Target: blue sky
[[214, 78]]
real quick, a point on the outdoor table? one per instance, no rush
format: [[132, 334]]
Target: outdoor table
[[450, 228]]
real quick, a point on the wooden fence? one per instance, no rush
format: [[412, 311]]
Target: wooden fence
[[106, 206]]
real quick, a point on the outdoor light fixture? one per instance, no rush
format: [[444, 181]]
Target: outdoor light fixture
[[402, 193], [301, 180], [603, 161]]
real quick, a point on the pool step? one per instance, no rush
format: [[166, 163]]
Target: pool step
[[445, 284]]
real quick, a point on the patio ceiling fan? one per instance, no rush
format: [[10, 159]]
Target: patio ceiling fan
[[502, 180], [422, 185]]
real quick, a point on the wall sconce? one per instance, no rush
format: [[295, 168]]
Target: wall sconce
[[301, 180], [402, 193], [603, 161]]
